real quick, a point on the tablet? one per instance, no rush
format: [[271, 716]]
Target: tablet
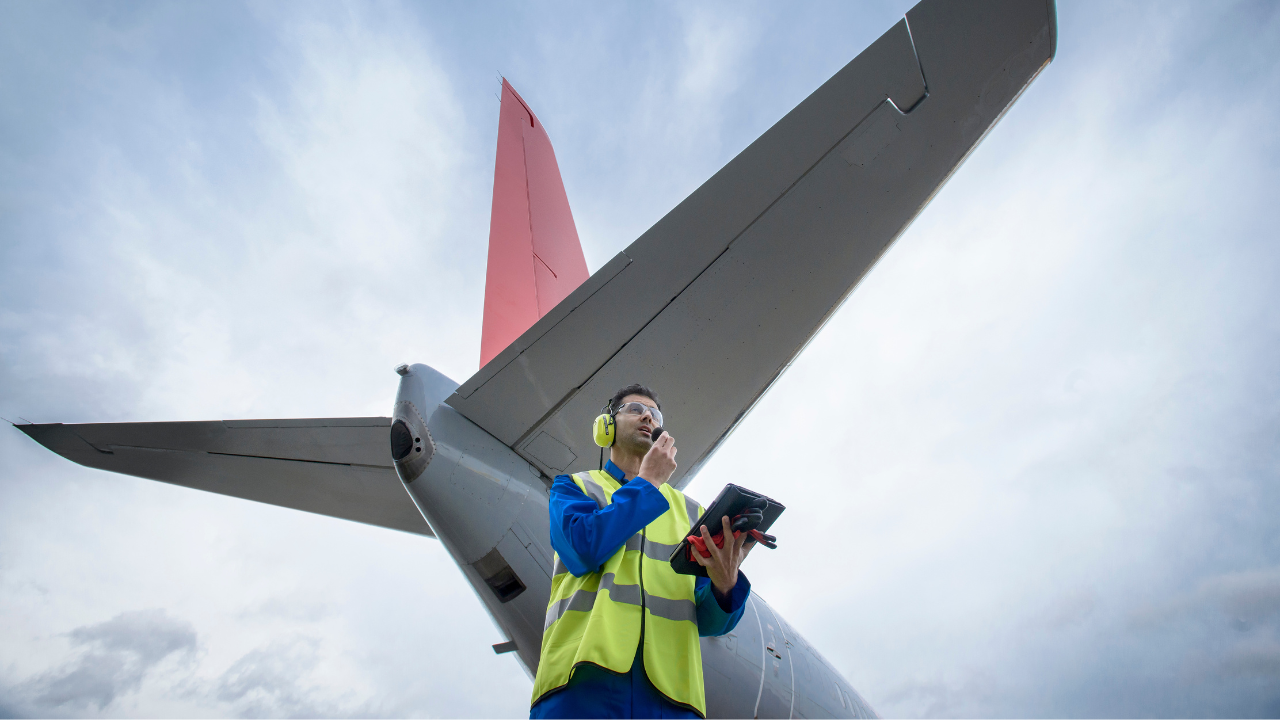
[[731, 501]]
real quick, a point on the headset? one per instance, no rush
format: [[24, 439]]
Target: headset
[[605, 428]]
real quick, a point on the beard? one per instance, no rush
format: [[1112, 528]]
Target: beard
[[637, 441]]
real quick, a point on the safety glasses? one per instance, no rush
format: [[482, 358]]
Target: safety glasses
[[639, 408]]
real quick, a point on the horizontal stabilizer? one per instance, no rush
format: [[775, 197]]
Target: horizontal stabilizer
[[340, 467], [711, 304]]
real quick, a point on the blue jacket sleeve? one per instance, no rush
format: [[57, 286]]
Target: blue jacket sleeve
[[713, 618], [585, 535]]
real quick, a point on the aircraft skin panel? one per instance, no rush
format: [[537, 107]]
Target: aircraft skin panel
[[535, 258], [340, 467], [560, 266], [550, 321], [509, 288], [719, 296]]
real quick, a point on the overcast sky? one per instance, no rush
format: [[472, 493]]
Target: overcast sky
[[1031, 465]]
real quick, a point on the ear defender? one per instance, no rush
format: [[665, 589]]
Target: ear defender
[[604, 429]]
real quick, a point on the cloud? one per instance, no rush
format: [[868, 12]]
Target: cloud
[[1250, 596], [962, 695], [230, 191], [111, 660], [114, 657], [1247, 601], [268, 682], [342, 162], [1030, 465]]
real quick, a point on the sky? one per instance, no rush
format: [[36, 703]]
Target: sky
[[1031, 465]]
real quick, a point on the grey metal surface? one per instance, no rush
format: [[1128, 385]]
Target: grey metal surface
[[421, 389], [777, 695], [714, 301], [488, 506], [340, 467], [754, 672]]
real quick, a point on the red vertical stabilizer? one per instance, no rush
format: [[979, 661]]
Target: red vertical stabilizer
[[535, 258]]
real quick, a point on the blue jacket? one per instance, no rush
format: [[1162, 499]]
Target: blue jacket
[[585, 536]]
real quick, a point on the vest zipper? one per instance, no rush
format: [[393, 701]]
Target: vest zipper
[[644, 539]]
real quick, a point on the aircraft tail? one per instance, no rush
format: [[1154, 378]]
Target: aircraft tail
[[535, 258], [338, 467]]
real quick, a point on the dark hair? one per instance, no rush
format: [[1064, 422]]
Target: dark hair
[[633, 389]]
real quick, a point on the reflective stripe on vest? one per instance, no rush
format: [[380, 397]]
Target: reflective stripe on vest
[[694, 511], [598, 618], [585, 600]]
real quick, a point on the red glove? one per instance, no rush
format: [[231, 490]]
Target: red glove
[[696, 541]]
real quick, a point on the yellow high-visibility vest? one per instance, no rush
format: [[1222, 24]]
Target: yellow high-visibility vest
[[600, 618]]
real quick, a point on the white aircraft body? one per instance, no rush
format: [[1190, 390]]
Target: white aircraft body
[[709, 307]]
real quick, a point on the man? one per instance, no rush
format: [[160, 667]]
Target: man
[[621, 638]]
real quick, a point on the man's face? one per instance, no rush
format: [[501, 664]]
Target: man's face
[[635, 431]]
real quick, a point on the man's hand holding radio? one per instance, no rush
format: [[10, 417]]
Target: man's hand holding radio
[[660, 461]]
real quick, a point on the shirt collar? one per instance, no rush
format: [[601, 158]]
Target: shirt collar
[[614, 471]]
